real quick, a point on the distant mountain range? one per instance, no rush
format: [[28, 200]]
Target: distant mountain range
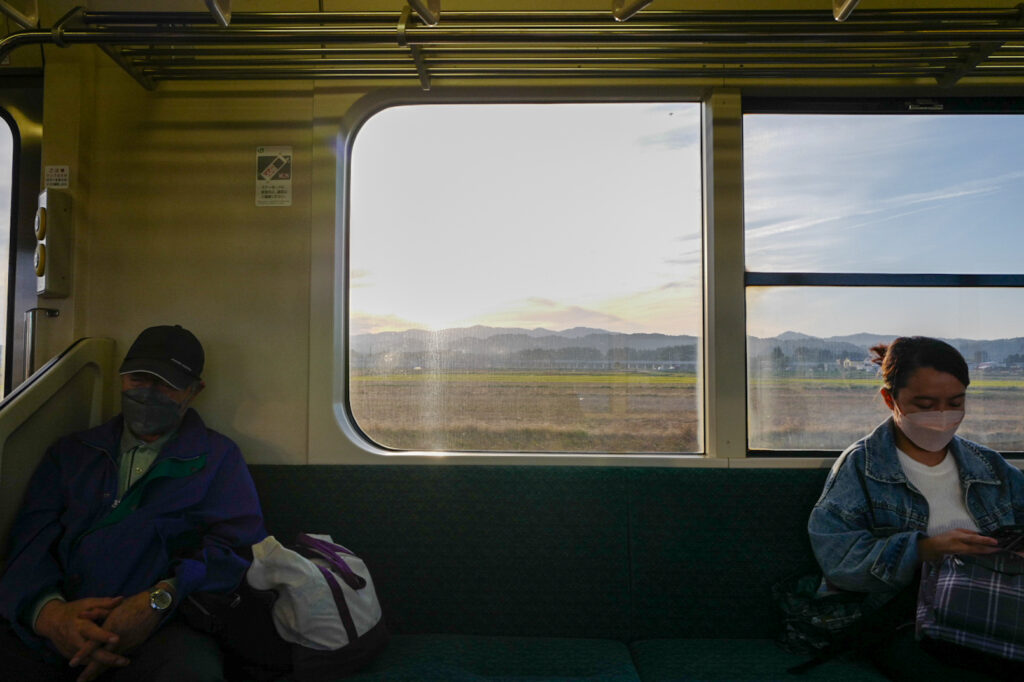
[[497, 340], [587, 342], [974, 350]]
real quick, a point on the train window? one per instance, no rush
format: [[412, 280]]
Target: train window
[[527, 278], [861, 228], [6, 185]]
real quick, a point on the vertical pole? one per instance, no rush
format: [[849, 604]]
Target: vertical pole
[[724, 339]]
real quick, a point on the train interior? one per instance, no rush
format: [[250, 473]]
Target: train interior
[[503, 551]]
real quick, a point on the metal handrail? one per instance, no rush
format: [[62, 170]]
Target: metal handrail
[[731, 16]]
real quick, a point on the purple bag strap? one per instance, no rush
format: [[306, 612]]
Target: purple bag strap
[[310, 541], [313, 548], [339, 601]]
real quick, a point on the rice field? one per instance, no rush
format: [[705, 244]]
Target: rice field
[[625, 412]]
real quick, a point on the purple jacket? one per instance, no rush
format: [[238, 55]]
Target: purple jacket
[[186, 517]]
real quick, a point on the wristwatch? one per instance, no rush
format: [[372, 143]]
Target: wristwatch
[[160, 599]]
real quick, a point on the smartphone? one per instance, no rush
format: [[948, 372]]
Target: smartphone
[[1010, 537], [275, 165]]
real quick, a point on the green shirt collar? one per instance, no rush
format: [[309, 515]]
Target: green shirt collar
[[129, 440]]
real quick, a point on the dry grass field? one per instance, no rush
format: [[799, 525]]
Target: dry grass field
[[634, 412], [829, 414], [517, 412]]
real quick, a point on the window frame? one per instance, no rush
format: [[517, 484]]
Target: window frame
[[347, 407], [333, 435], [931, 106]]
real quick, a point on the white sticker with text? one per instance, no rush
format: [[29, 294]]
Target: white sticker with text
[[273, 176]]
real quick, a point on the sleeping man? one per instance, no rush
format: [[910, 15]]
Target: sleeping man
[[120, 524]]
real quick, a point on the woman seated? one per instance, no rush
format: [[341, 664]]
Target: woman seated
[[912, 491]]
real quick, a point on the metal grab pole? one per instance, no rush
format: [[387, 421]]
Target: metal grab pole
[[24, 20], [30, 335]]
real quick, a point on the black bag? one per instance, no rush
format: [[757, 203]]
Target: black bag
[[242, 624], [811, 623], [826, 626]]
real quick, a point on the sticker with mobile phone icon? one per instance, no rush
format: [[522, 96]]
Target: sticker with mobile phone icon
[[274, 176]]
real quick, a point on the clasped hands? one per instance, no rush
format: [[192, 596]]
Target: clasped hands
[[96, 632]]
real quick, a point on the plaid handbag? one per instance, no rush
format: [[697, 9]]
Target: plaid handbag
[[974, 601]]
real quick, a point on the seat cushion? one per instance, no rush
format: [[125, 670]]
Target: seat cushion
[[737, 660], [511, 659]]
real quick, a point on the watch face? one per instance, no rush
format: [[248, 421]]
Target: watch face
[[160, 600]]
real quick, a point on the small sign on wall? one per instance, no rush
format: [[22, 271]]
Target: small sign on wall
[[273, 176], [57, 177]]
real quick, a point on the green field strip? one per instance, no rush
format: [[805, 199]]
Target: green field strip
[[516, 378], [635, 378]]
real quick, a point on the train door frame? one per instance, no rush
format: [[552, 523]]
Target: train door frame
[[21, 105]]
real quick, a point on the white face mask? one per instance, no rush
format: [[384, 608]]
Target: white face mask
[[931, 431]]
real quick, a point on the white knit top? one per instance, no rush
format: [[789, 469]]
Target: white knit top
[[940, 485]]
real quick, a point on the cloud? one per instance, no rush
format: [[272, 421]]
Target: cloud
[[358, 278], [677, 138], [771, 229], [824, 191], [690, 260], [362, 323], [542, 312], [853, 214]]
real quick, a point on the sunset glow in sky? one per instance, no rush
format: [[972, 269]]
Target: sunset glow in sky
[[564, 215], [527, 216]]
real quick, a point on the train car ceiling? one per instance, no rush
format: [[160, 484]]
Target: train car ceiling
[[945, 48]]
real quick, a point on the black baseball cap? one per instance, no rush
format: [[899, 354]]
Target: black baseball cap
[[172, 353]]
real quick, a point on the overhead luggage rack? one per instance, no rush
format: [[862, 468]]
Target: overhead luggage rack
[[886, 47]]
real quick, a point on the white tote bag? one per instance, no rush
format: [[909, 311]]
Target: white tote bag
[[326, 599]]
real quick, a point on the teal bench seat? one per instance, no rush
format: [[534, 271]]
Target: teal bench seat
[[426, 658], [736, 660], [566, 573]]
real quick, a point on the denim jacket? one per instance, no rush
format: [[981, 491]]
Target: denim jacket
[[865, 527]]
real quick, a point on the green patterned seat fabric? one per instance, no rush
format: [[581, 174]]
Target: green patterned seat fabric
[[736, 660], [708, 544], [510, 659]]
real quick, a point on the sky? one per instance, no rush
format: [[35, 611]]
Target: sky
[[885, 193], [564, 215], [551, 216]]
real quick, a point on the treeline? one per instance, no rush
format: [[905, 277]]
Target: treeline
[[535, 358], [804, 359], [667, 354], [804, 354]]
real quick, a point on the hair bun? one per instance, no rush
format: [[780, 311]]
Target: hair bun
[[878, 353]]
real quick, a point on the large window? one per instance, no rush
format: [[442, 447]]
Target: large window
[[6, 180], [527, 278], [861, 228]]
